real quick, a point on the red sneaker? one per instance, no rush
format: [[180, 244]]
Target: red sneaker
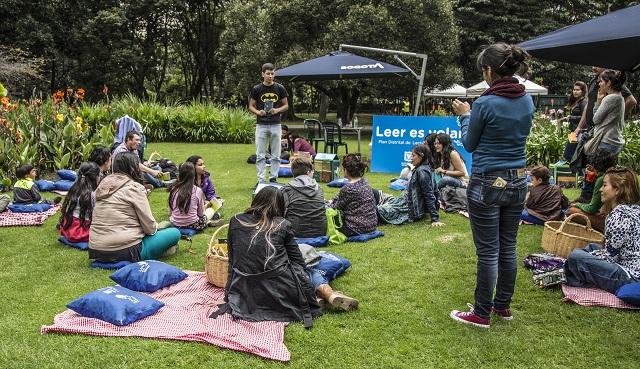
[[469, 317], [505, 314]]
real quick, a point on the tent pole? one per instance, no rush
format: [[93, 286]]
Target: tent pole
[[396, 53], [419, 96]]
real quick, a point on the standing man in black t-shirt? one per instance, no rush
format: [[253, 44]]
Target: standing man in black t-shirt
[[267, 100]]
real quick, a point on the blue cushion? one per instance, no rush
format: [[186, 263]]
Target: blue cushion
[[315, 242], [399, 185], [115, 265], [77, 245], [148, 275], [187, 231], [29, 208], [67, 175], [338, 182], [285, 172], [332, 265], [282, 161], [630, 293], [366, 237], [63, 185], [116, 305], [44, 185]]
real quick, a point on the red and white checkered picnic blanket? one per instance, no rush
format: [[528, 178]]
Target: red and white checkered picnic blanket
[[10, 219], [594, 297], [185, 317]]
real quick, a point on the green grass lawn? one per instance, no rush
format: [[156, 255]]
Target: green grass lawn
[[407, 283]]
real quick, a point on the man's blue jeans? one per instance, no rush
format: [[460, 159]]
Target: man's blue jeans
[[582, 269], [267, 136], [495, 213]]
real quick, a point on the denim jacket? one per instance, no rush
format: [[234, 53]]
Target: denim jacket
[[422, 194]]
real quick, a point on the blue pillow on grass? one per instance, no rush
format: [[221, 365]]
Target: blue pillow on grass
[[116, 305], [188, 232], [630, 293], [29, 208], [332, 265], [44, 185], [285, 172], [365, 237], [77, 245], [113, 265], [339, 183], [148, 275], [315, 242], [67, 175], [63, 185]]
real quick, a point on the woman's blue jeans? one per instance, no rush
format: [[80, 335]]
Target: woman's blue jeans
[[495, 213], [584, 269]]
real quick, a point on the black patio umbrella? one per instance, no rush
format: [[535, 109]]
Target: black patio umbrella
[[338, 65], [610, 41]]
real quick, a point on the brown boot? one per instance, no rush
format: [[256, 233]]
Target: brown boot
[[340, 301]]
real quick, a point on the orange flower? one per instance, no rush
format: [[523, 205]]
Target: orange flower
[[69, 91], [5, 102], [19, 137], [58, 96]]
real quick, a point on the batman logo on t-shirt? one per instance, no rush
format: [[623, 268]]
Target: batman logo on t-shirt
[[269, 96]]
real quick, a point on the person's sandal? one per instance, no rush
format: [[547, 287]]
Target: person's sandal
[[340, 301]]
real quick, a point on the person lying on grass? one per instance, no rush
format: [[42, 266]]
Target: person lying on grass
[[123, 227], [618, 262], [268, 277]]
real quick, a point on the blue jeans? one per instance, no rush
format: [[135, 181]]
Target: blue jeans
[[530, 218], [582, 269], [615, 150], [495, 215], [317, 278], [148, 178], [267, 136], [450, 181]]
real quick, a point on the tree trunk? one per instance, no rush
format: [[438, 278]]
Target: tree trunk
[[324, 106]]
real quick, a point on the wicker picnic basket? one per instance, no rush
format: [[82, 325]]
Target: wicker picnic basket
[[561, 238], [217, 261]]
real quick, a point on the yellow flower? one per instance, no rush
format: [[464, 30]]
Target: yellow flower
[[59, 117], [79, 121]]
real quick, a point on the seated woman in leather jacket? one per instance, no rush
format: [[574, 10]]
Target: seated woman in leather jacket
[[421, 196]]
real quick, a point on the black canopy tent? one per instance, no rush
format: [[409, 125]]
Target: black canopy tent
[[610, 41]]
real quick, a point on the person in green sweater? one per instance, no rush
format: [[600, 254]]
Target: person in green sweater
[[600, 161]]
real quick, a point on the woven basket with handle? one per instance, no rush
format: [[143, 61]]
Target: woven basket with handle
[[561, 238], [217, 262]]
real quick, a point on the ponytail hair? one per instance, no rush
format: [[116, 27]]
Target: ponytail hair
[[616, 77], [504, 60]]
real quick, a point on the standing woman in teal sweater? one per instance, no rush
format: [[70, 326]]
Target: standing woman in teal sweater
[[495, 132]]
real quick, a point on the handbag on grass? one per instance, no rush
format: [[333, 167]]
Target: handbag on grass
[[334, 223]]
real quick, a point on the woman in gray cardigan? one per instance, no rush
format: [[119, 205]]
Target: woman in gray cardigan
[[608, 114]]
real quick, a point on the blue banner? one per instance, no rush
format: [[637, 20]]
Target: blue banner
[[394, 136]]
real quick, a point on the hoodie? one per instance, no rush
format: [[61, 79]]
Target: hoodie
[[305, 207], [121, 216]]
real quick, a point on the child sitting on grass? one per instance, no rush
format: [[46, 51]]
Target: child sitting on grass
[[186, 200], [546, 201], [25, 191], [77, 208]]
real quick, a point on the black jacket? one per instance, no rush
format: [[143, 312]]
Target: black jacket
[[422, 194], [305, 207], [267, 283]]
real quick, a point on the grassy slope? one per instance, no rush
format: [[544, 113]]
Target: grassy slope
[[407, 283]]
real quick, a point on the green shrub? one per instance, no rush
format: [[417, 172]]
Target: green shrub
[[545, 144]]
